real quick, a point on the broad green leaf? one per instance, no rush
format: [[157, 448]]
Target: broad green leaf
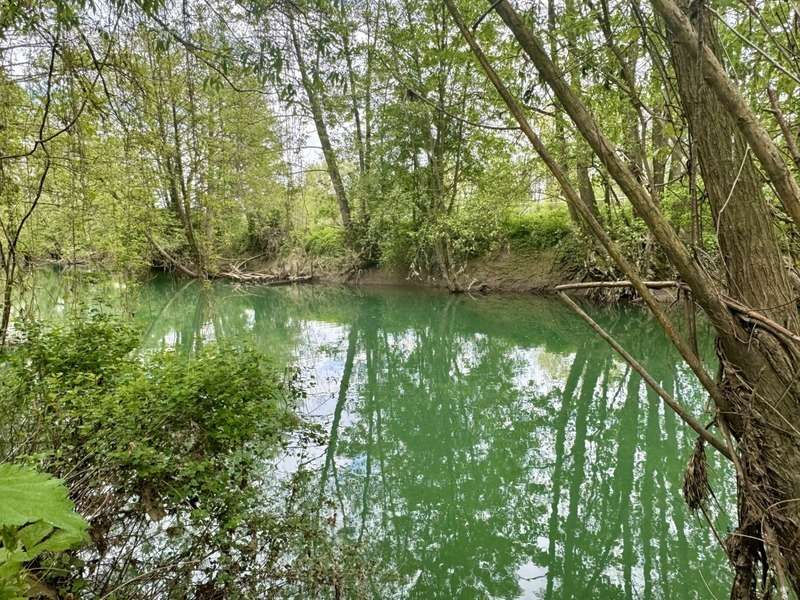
[[27, 496], [32, 534]]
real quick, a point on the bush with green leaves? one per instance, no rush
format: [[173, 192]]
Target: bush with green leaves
[[266, 232], [544, 227], [325, 240], [170, 426], [404, 242], [475, 230], [173, 455]]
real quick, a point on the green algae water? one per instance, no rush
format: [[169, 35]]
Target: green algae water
[[480, 447]]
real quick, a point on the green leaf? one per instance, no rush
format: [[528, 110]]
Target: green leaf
[[32, 534], [27, 496]]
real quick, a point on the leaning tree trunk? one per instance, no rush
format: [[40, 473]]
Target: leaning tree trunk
[[757, 399], [312, 86], [758, 373]]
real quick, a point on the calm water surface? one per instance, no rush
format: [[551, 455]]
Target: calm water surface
[[486, 447]]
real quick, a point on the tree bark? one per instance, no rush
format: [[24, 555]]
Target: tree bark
[[733, 103], [755, 277], [758, 403]]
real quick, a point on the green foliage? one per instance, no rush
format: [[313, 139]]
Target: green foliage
[[266, 231], [474, 230], [92, 351], [29, 496], [396, 242], [226, 408], [325, 240], [544, 227], [171, 435], [36, 516], [402, 242], [166, 437]]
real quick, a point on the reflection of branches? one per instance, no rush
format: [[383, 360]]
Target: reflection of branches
[[337, 413], [652, 383], [561, 423], [165, 307]]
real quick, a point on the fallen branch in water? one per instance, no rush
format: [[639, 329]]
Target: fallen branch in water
[[262, 278], [587, 285], [170, 258], [734, 305], [233, 274], [649, 380]]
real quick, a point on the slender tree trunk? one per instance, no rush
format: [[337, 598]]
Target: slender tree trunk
[[170, 155], [659, 155], [312, 87], [371, 35], [583, 161], [8, 288], [586, 189], [185, 199], [351, 77], [786, 130]]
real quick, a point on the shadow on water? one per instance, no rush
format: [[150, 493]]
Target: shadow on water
[[485, 447]]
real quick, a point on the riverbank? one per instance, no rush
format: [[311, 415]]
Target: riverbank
[[518, 271], [537, 272], [505, 271]]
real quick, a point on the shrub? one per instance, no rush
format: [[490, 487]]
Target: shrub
[[396, 242], [474, 230], [173, 426], [539, 229], [187, 441], [469, 231], [325, 240], [265, 232]]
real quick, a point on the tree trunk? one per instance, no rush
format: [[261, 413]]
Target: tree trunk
[[732, 101], [351, 77], [763, 399], [8, 288], [757, 396], [311, 85]]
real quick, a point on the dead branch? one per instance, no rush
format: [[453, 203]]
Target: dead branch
[[636, 366], [170, 258], [654, 285]]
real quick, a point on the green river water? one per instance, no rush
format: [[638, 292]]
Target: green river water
[[487, 447]]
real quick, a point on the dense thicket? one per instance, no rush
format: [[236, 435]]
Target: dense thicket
[[171, 459]]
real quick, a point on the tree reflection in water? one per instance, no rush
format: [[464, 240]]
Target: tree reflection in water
[[482, 447]]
